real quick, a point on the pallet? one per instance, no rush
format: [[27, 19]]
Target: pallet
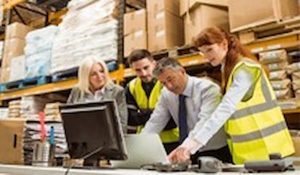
[[39, 80], [28, 82], [253, 33], [112, 66], [176, 52], [65, 74]]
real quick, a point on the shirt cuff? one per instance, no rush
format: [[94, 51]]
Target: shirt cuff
[[192, 145]]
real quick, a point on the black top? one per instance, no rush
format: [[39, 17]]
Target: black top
[[138, 116]]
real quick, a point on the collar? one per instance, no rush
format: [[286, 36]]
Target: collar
[[189, 87]]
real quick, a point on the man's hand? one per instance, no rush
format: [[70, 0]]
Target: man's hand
[[179, 155]]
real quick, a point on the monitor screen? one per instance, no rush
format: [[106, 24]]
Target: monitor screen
[[93, 128]]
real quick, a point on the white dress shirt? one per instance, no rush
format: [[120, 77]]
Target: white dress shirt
[[202, 98]]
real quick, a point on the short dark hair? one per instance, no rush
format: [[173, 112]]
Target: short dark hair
[[139, 54], [164, 63]]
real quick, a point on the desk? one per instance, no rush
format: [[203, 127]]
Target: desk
[[30, 170]]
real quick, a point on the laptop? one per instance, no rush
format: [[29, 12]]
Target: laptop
[[142, 149]]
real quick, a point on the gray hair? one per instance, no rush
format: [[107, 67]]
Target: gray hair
[[165, 63]]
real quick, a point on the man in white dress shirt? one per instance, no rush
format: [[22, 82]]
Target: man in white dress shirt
[[199, 98]]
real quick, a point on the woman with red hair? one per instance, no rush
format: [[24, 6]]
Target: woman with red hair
[[253, 121]]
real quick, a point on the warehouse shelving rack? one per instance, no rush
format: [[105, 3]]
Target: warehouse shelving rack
[[283, 41]]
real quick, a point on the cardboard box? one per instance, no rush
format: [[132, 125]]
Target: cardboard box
[[204, 16], [296, 140], [137, 40], [185, 5], [17, 30], [5, 73], [246, 37], [244, 13], [17, 63], [298, 6], [135, 21], [11, 136], [12, 48], [165, 30], [156, 6]]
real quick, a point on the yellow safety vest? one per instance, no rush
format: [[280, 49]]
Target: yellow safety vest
[[137, 91], [257, 128]]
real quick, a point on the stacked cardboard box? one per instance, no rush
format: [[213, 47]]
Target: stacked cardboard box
[[276, 62], [13, 47], [165, 26], [135, 31], [17, 63], [298, 6], [245, 13], [200, 14]]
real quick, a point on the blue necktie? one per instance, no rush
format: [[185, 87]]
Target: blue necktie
[[183, 128]]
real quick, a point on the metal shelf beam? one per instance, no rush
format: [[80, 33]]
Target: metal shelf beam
[[11, 3]]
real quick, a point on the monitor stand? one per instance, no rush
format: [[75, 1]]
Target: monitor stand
[[96, 164]]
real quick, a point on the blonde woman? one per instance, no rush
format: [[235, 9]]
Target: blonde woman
[[95, 85]]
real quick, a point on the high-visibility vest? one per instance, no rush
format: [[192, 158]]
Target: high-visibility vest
[[137, 91], [257, 128]]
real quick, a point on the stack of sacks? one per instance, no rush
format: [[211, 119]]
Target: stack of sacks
[[38, 51], [32, 105], [14, 108], [52, 111], [294, 70], [3, 113], [88, 29], [28, 107], [276, 61]]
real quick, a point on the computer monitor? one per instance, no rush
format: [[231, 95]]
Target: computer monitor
[[93, 131]]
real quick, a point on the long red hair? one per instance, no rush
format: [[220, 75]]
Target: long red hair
[[216, 35]]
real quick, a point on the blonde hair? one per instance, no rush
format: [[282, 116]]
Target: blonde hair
[[84, 73]]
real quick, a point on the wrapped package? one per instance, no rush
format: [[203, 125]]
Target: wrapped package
[[278, 75], [281, 84], [38, 64], [79, 38], [40, 40], [277, 66], [273, 56], [295, 67], [296, 85], [38, 51], [296, 76], [283, 94]]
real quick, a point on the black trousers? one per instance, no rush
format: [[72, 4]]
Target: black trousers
[[222, 154]]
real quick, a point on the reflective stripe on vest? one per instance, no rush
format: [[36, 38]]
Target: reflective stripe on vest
[[137, 91], [257, 128]]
